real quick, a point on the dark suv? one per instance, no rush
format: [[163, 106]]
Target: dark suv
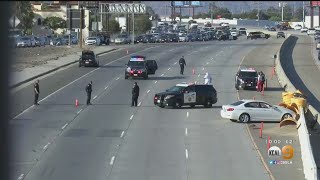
[[281, 34], [256, 35], [246, 79], [187, 94], [139, 67], [88, 58]]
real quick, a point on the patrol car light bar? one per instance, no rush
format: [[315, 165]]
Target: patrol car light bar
[[137, 59]]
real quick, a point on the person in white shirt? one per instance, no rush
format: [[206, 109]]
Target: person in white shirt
[[207, 78]]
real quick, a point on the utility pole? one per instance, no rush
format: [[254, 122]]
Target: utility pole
[[97, 9], [80, 39], [133, 23], [303, 13], [210, 7], [258, 14]]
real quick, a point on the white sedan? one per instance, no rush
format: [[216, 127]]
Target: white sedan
[[304, 30], [254, 110]]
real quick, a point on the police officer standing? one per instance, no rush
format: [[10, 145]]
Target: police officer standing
[[135, 94], [36, 92], [182, 63], [89, 90]]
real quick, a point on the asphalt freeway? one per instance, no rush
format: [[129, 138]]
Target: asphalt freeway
[[111, 140]]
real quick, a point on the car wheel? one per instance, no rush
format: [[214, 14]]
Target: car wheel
[[244, 118], [286, 116], [208, 103], [178, 104]]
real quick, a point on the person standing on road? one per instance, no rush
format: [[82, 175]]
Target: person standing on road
[[263, 79], [259, 82], [207, 78], [89, 90], [135, 94], [36, 92], [182, 63]]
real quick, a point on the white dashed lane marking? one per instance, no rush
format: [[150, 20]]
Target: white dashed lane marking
[[131, 117], [79, 111], [186, 132], [148, 91], [155, 82], [187, 154], [64, 126], [112, 160], [21, 177], [168, 69], [122, 134], [95, 97]]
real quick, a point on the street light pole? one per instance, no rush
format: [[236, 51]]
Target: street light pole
[[133, 23], [282, 5], [303, 13]]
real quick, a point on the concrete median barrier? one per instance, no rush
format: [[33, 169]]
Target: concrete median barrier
[[309, 165]]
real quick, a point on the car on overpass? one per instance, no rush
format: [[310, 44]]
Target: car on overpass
[[281, 34], [190, 94], [255, 110], [88, 58], [138, 66], [257, 34]]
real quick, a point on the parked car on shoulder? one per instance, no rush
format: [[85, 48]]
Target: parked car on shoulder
[[311, 31], [92, 41], [248, 110], [122, 39]]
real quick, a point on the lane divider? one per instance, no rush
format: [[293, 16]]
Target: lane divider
[[131, 117], [46, 146], [21, 177], [155, 82], [148, 91], [95, 97], [79, 111], [112, 160], [187, 114], [187, 154], [139, 103], [186, 132], [122, 134], [64, 126]]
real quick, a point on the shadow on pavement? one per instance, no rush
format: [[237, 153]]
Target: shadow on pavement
[[274, 89]]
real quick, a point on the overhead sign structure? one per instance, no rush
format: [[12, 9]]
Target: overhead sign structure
[[123, 8], [185, 3], [74, 16], [315, 3], [195, 3], [14, 21]]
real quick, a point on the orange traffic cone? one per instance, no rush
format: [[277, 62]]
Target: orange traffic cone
[[193, 71], [77, 103]]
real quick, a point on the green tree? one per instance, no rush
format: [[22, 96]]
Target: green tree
[[223, 12], [287, 13], [299, 13], [142, 24], [114, 26], [275, 18], [271, 11], [54, 22], [23, 10]]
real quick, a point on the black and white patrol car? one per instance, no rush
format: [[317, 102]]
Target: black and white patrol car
[[187, 94], [246, 79], [138, 66]]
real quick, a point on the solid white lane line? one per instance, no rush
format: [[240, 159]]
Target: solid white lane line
[[95, 97], [112, 160], [162, 74], [186, 131], [187, 154], [198, 75], [155, 82], [21, 177], [169, 69], [64, 126], [139, 103], [131, 117], [106, 87], [79, 111], [122, 134], [148, 91], [46, 146], [187, 114]]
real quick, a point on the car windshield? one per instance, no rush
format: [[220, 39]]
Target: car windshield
[[136, 63], [237, 103], [122, 36], [91, 38], [176, 89], [247, 74]]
